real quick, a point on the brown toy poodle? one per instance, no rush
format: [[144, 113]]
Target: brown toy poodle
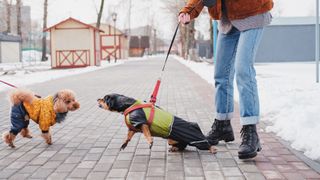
[[43, 111]]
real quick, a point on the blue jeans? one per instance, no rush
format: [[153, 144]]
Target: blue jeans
[[236, 53]]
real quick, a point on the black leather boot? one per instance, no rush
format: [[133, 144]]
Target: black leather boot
[[220, 130], [250, 142]]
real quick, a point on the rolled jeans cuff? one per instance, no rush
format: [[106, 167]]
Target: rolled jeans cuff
[[249, 120], [224, 116]]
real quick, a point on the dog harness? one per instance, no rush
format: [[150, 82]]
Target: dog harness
[[159, 121]]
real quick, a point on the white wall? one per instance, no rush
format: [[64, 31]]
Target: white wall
[[10, 52]]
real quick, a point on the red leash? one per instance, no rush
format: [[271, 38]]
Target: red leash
[[11, 85]]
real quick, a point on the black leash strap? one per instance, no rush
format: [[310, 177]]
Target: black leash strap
[[175, 34], [172, 41]]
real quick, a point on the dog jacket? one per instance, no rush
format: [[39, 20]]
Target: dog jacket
[[41, 111], [160, 125], [165, 125]]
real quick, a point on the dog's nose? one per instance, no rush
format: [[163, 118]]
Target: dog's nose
[[76, 105]]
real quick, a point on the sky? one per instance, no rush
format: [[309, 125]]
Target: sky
[[142, 11]]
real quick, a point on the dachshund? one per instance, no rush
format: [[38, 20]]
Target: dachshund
[[153, 121]]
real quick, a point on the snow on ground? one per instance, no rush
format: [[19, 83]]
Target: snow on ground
[[24, 74], [289, 101], [32, 56]]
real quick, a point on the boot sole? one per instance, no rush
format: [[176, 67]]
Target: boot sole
[[224, 138], [249, 155]]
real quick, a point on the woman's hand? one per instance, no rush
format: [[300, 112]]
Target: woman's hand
[[184, 18]]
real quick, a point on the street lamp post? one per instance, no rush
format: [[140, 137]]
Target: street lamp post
[[114, 18]]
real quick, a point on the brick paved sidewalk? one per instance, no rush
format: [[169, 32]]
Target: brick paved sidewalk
[[87, 145]]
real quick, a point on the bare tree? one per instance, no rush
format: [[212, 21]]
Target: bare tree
[[187, 32], [18, 7], [8, 18], [173, 7], [44, 39], [100, 14]]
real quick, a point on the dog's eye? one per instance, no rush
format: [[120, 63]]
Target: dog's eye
[[68, 102]]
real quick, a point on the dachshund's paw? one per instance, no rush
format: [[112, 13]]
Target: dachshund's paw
[[150, 145], [174, 149], [123, 146], [213, 149]]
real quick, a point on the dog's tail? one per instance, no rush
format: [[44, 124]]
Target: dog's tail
[[18, 96]]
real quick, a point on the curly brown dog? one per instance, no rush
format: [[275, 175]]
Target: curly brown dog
[[43, 111]]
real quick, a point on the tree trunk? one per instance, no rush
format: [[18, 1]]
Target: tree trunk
[[18, 7], [100, 14], [44, 39], [8, 18], [211, 36]]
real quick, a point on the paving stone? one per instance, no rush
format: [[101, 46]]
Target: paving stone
[[176, 175], [235, 178], [227, 162], [66, 167], [156, 171], [231, 171], [17, 165], [79, 173], [28, 169], [136, 176], [6, 173], [19, 176], [138, 167], [97, 175], [58, 176], [125, 157], [248, 168], [42, 173], [254, 176], [195, 178], [174, 167], [210, 166], [117, 173], [214, 175], [193, 171], [92, 157], [121, 164], [293, 176], [104, 167], [74, 159], [39, 161], [272, 175]]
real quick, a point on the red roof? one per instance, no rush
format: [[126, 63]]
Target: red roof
[[75, 20]]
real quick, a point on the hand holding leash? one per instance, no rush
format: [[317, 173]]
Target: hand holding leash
[[184, 18]]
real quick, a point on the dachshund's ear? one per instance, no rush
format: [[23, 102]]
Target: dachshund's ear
[[59, 106], [109, 100]]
